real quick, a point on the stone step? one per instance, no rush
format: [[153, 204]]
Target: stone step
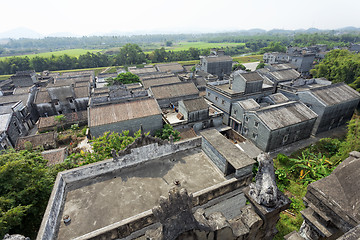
[[308, 215], [318, 211]]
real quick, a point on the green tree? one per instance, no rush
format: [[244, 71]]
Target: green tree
[[26, 184], [168, 43], [166, 132], [123, 78], [260, 65], [130, 54], [238, 66]]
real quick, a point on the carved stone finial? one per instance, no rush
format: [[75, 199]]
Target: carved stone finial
[[175, 215], [142, 131], [265, 190], [113, 153], [171, 138]]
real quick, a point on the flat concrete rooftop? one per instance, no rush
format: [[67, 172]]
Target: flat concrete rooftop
[[135, 190]]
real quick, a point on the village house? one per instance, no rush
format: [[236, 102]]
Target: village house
[[10, 130], [245, 85], [61, 99], [195, 114], [217, 64], [24, 78], [275, 57], [272, 126], [170, 68], [303, 62], [21, 106], [149, 69], [277, 73], [129, 114], [158, 79], [333, 103], [168, 95]]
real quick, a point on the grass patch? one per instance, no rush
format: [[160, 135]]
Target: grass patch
[[4, 77], [70, 52], [250, 58]]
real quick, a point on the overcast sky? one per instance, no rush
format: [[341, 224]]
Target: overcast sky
[[88, 17]]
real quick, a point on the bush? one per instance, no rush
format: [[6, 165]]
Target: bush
[[75, 127], [166, 132]]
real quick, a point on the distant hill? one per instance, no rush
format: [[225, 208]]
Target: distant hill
[[21, 32], [28, 33]]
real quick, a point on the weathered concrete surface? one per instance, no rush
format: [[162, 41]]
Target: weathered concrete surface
[[135, 191]]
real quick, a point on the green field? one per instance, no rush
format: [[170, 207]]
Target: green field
[[70, 52], [250, 58], [201, 45]]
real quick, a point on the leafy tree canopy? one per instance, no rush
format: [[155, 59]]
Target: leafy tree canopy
[[26, 184], [166, 132], [123, 78], [340, 66]]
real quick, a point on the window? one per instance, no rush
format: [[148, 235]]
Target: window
[[285, 138], [15, 124], [235, 112], [245, 131], [246, 119], [71, 100], [56, 103], [216, 98], [223, 102], [60, 112], [208, 94], [256, 124], [255, 136]]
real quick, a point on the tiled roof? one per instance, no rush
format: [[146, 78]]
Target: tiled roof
[[111, 113], [195, 104], [48, 140], [335, 94], [286, 114], [174, 90], [160, 81]]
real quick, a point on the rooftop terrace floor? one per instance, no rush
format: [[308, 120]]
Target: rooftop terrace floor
[[135, 190]]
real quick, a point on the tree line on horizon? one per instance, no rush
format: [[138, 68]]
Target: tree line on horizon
[[129, 54]]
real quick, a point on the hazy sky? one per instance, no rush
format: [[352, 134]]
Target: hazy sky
[[87, 17]]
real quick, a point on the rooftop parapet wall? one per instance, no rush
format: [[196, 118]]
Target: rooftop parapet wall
[[78, 177], [75, 177]]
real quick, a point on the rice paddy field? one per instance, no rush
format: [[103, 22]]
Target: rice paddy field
[[70, 52]]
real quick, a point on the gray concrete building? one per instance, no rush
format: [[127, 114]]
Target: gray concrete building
[[334, 104], [303, 62], [125, 115], [275, 125], [245, 85], [218, 64]]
